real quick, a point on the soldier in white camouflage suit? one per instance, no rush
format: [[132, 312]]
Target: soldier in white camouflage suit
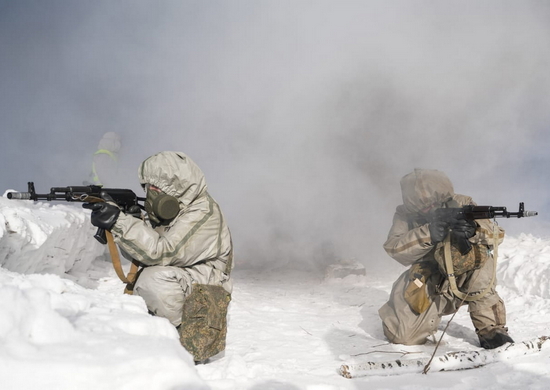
[[423, 293]]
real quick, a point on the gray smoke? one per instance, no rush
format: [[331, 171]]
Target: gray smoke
[[304, 115]]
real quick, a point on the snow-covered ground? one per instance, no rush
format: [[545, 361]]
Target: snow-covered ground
[[65, 323]]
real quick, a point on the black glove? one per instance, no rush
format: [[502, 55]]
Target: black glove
[[438, 231], [461, 231], [134, 211], [463, 228], [104, 215]]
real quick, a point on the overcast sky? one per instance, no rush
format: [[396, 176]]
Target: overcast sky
[[304, 115]]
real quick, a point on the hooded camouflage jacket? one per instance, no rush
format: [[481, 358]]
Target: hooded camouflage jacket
[[409, 238], [198, 239]]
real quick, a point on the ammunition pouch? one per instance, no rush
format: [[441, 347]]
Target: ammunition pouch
[[416, 293], [474, 259], [204, 323]]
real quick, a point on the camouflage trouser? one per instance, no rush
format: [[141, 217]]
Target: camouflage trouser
[[404, 326]]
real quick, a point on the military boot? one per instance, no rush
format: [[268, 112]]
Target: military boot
[[494, 338]]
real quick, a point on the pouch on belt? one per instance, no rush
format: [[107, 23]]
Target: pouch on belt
[[204, 323], [416, 293]]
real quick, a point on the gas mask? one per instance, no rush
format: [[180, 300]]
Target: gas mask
[[161, 208]]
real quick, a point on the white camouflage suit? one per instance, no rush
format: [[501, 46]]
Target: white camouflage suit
[[409, 242], [194, 248]]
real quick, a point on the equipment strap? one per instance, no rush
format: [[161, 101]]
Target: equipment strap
[[129, 279], [108, 152]]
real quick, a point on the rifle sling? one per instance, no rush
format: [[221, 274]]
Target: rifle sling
[[451, 276], [115, 257]]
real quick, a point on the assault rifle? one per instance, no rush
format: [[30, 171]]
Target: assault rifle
[[126, 199], [471, 212]]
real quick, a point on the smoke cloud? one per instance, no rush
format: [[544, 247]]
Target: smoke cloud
[[304, 115]]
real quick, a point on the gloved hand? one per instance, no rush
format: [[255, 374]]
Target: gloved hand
[[104, 215], [134, 211], [463, 228], [438, 231]]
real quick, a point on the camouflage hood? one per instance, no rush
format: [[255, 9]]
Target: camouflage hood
[[175, 174], [425, 187]]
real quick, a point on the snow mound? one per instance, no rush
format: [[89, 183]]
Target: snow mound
[[524, 265], [56, 334], [40, 237], [52, 328]]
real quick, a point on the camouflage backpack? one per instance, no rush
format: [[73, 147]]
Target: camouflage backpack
[[204, 324]]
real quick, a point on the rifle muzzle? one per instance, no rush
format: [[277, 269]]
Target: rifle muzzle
[[19, 195]]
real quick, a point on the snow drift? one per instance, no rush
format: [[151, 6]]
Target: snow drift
[[56, 334]]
